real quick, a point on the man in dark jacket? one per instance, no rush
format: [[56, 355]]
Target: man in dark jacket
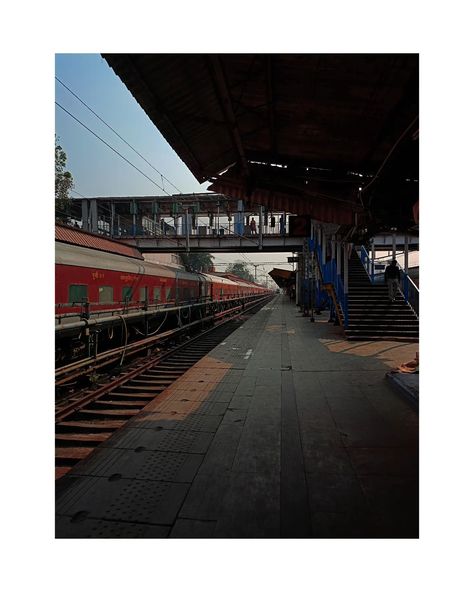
[[392, 279]]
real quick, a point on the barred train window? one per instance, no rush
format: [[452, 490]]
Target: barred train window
[[77, 293], [157, 294], [106, 294], [168, 293], [143, 294], [127, 293]]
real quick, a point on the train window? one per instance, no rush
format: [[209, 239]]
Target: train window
[[168, 293], [127, 293], [157, 294], [106, 294], [143, 294], [77, 293]]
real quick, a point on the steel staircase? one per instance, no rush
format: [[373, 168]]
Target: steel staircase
[[371, 315]]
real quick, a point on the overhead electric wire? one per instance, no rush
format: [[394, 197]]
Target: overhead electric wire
[[111, 147], [74, 191], [118, 135]]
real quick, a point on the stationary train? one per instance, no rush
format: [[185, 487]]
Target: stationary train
[[110, 281]]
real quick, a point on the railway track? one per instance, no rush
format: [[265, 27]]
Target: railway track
[[89, 418]]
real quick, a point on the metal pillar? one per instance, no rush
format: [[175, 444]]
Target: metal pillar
[[239, 218], [112, 218], [323, 247], [346, 268], [85, 214], [373, 259], [406, 254], [186, 221], [333, 254], [93, 211], [260, 228], [394, 245], [405, 278], [297, 283], [338, 258]]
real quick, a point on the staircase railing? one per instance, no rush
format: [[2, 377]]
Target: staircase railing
[[411, 293], [367, 263]]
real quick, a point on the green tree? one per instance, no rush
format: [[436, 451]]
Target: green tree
[[197, 261], [241, 269], [63, 183]]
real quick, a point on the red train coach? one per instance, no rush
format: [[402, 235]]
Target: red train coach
[[108, 275]]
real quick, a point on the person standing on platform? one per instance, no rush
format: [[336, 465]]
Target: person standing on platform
[[392, 279], [253, 226]]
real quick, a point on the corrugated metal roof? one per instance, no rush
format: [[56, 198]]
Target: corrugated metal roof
[[282, 277], [74, 236]]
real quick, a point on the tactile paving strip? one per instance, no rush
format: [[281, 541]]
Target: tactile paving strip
[[165, 440], [193, 422], [149, 502], [184, 407], [141, 464]]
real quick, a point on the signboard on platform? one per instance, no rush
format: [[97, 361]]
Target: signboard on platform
[[292, 259]]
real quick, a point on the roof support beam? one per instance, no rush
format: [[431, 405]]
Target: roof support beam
[[271, 107], [226, 106]]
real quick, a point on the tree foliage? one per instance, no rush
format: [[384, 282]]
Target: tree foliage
[[197, 261], [240, 269], [63, 183]]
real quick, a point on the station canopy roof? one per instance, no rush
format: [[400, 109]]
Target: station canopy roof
[[282, 277], [295, 133]]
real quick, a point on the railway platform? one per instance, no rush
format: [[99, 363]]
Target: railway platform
[[285, 429]]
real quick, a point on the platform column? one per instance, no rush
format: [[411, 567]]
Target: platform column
[[186, 221], [338, 258], [373, 259], [346, 268], [85, 214], [323, 253], [405, 266], [333, 257], [93, 206], [112, 218], [260, 228], [394, 245]]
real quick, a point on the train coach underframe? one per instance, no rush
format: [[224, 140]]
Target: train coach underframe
[[87, 335]]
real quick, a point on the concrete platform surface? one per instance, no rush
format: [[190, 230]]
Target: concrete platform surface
[[285, 429]]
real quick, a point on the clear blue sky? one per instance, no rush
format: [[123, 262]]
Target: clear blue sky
[[95, 168]]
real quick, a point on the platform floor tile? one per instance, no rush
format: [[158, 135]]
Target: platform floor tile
[[124, 500], [193, 529], [94, 529], [141, 464], [164, 440]]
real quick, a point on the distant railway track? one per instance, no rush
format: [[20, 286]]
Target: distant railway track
[[89, 417]]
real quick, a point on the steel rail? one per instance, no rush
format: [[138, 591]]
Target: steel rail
[[67, 373], [93, 395]]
